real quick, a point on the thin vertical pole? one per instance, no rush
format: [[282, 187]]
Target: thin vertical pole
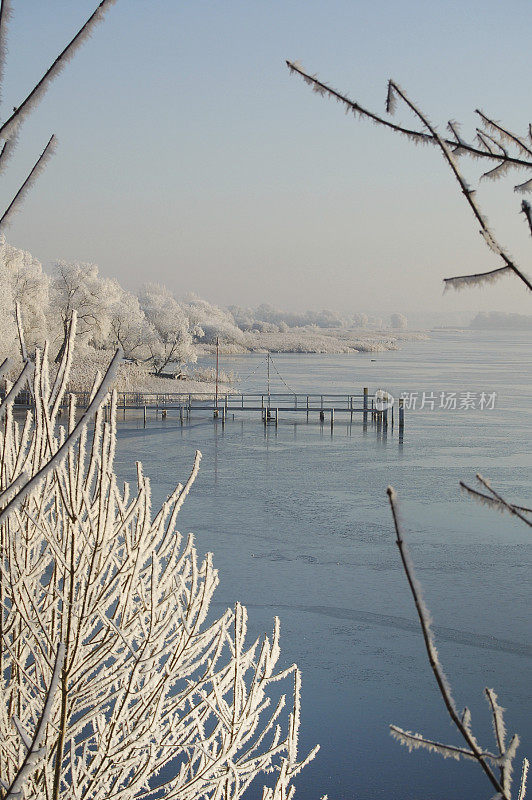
[[217, 349], [268, 362]]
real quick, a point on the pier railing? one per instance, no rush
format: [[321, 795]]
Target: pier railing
[[239, 401], [270, 405]]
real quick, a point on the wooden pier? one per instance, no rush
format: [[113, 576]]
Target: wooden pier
[[326, 407]]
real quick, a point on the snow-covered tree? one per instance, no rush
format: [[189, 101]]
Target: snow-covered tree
[[173, 341], [8, 339], [210, 321], [150, 699], [399, 322], [29, 287], [79, 287], [130, 329]]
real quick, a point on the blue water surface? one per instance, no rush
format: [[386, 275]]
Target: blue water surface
[[298, 521]]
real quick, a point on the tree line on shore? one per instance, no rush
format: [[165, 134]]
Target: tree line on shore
[[153, 327]]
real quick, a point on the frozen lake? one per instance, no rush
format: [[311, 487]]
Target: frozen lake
[[298, 521]]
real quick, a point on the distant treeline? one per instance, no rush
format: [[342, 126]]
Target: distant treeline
[[153, 327], [499, 319]]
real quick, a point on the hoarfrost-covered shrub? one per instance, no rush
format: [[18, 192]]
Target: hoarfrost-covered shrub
[[112, 682]]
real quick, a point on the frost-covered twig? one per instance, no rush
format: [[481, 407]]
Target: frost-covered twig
[[524, 775], [19, 197], [151, 699], [20, 329], [469, 194], [5, 14], [462, 722], [417, 136], [495, 501], [10, 125], [35, 751], [525, 208], [451, 149]]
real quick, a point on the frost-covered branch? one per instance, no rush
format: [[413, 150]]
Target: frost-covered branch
[[20, 196], [451, 150], [506, 753], [35, 751], [495, 500], [42, 85], [417, 136], [525, 208], [150, 698]]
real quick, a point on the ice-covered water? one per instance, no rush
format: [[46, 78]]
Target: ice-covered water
[[298, 522]]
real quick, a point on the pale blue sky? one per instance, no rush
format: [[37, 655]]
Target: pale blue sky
[[188, 155]]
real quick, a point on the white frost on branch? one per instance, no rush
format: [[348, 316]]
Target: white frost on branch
[[41, 87], [153, 699], [478, 279]]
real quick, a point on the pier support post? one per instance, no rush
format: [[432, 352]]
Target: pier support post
[[365, 406], [276, 417], [401, 415], [144, 416], [332, 418]]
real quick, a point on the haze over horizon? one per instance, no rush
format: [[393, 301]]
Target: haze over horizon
[[189, 156]]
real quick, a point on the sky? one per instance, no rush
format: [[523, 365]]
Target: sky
[[189, 156]]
